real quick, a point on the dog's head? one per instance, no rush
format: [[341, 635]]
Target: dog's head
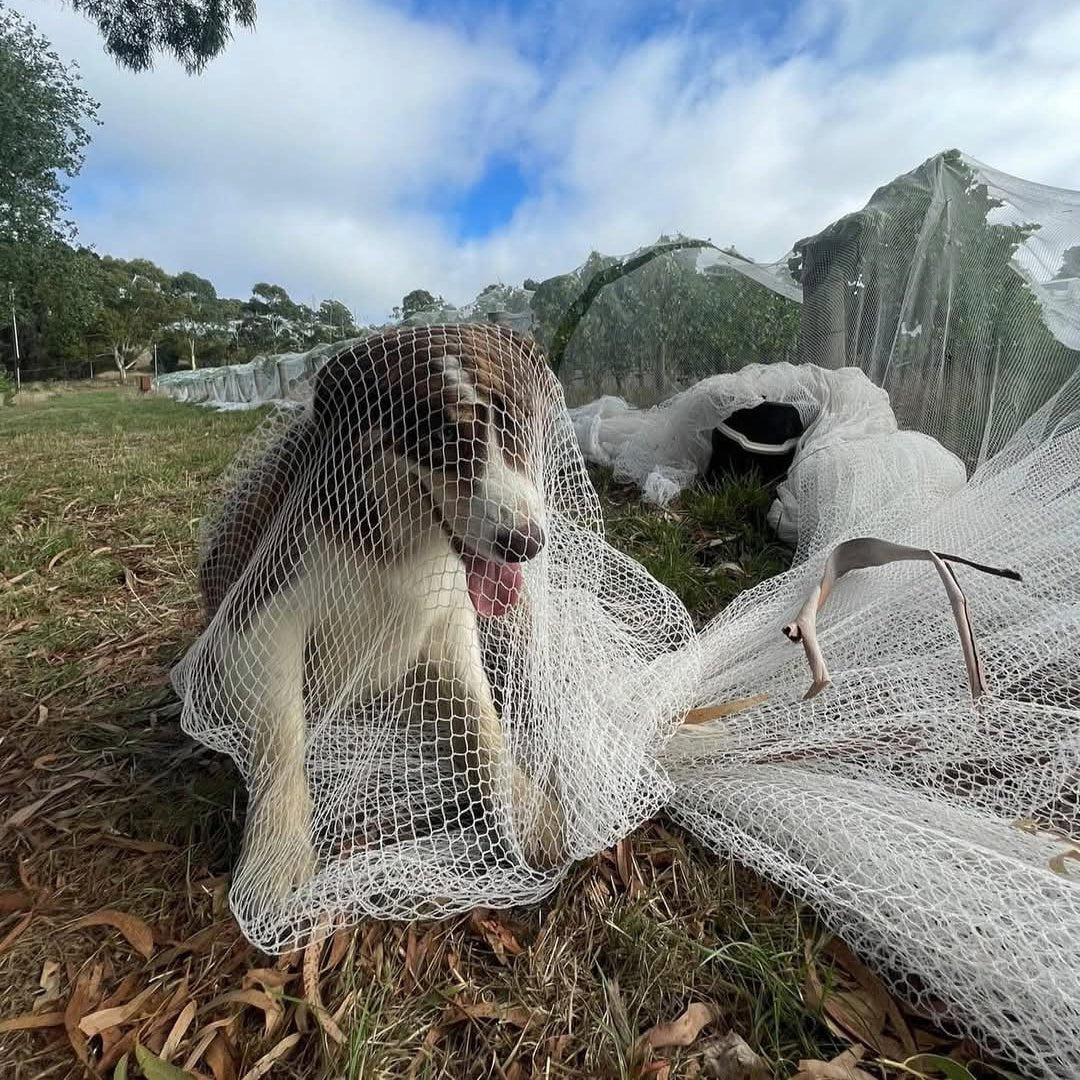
[[455, 408]]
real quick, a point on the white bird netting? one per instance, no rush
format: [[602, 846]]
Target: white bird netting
[[258, 382], [442, 686], [846, 421]]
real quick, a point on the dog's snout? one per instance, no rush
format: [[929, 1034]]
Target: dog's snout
[[520, 543]]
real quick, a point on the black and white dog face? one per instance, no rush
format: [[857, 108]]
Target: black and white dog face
[[451, 411]]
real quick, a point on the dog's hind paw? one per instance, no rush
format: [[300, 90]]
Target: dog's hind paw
[[279, 854]]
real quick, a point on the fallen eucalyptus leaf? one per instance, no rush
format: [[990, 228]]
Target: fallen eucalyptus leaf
[[139, 936], [155, 1069], [31, 1021], [266, 1062], [948, 1067], [685, 1030]]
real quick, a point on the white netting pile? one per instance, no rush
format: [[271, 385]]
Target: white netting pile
[[442, 686], [258, 382], [851, 455], [890, 800]]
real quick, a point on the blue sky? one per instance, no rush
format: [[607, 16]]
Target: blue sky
[[359, 148], [489, 203]]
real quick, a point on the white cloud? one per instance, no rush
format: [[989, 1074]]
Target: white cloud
[[303, 154], [296, 155]]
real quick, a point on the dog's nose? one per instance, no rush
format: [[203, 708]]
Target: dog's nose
[[519, 544]]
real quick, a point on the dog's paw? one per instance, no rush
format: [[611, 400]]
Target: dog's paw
[[540, 823], [278, 869], [279, 852], [296, 868]]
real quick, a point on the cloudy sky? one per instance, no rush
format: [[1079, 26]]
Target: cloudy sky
[[359, 149]]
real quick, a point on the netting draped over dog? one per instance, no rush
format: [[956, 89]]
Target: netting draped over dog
[[442, 686], [439, 682]]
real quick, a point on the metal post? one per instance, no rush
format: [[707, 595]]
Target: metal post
[[155, 360], [15, 335]]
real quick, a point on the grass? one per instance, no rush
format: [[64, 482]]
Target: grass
[[104, 804], [707, 547]]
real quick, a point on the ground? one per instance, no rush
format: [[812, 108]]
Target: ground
[[118, 833]]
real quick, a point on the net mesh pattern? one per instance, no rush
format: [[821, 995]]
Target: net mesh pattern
[[410, 603], [443, 687]]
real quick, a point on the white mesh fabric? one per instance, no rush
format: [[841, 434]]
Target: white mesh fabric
[[250, 385], [851, 458], [954, 290], [891, 802], [404, 750], [888, 801]]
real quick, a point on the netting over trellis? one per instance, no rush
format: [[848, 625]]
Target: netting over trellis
[[956, 289], [442, 686]]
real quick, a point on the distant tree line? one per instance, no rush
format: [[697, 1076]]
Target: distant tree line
[[71, 309], [76, 311]]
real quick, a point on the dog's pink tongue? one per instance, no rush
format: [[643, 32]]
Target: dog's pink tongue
[[494, 587]]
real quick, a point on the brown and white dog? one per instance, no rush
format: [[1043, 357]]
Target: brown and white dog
[[390, 517]]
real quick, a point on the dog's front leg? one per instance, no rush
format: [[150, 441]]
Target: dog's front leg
[[265, 671], [536, 812]]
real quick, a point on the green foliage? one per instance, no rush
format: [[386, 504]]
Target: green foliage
[[172, 353], [136, 305], [335, 321], [656, 321], [963, 333], [1070, 263], [198, 289], [193, 32], [499, 297], [154, 1068], [603, 277], [554, 298], [197, 327], [272, 320], [57, 298], [44, 120], [419, 300], [710, 545], [43, 133]]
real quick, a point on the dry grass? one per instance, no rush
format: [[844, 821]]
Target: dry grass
[[104, 804]]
